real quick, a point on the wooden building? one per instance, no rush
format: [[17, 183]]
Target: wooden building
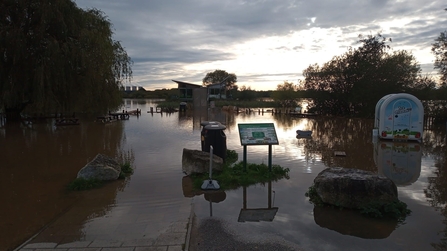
[[186, 90]]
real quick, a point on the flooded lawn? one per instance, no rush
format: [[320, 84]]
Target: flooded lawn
[[39, 161]]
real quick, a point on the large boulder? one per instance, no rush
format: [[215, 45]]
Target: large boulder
[[353, 188], [195, 161], [101, 167]]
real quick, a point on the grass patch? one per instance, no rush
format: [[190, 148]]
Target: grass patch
[[80, 184], [126, 170], [395, 210], [234, 176], [231, 157]]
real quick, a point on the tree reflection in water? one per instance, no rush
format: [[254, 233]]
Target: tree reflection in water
[[344, 136], [436, 192], [39, 161]]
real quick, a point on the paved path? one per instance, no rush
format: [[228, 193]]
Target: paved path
[[217, 234], [172, 236]]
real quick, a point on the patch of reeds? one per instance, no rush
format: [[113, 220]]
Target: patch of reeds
[[126, 159]]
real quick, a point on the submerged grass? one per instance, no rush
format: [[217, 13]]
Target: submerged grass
[[234, 176], [80, 184]]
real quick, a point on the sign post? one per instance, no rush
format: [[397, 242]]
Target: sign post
[[258, 134]]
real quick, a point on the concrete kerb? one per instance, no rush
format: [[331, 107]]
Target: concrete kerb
[[30, 239], [190, 222]]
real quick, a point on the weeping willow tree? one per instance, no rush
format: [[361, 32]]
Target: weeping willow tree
[[56, 57]]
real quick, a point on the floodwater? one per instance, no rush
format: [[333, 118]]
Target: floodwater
[[39, 160]]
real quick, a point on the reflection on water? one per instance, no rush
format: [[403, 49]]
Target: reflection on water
[[352, 223], [92, 205], [436, 190], [258, 214], [399, 161], [38, 161], [325, 229], [214, 197]]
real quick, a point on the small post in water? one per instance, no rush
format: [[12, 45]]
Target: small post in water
[[210, 184]]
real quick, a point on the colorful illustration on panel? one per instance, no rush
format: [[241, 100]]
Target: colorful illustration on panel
[[401, 120]]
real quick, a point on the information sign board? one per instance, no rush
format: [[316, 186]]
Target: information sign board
[[258, 134]]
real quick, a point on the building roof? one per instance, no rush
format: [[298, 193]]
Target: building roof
[[186, 83]]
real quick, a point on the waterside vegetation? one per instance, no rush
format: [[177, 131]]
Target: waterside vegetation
[[351, 84], [234, 175], [70, 63], [79, 68]]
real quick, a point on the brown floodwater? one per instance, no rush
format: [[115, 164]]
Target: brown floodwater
[[39, 160]]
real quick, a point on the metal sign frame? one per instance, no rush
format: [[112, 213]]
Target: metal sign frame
[[258, 134]]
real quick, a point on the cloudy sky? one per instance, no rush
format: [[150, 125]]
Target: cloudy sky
[[263, 42]]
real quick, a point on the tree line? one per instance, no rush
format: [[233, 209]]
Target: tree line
[[351, 84], [58, 57]]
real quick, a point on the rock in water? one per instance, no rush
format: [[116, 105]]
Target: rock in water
[[354, 188], [195, 161], [101, 167]]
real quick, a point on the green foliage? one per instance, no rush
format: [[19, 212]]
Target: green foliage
[[233, 177], [395, 210], [313, 196], [126, 170], [218, 76], [225, 102], [246, 93], [80, 184], [286, 94], [231, 157], [57, 57], [439, 49], [351, 84]]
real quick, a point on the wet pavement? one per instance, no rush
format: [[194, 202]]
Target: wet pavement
[[216, 234], [120, 218], [151, 232]]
